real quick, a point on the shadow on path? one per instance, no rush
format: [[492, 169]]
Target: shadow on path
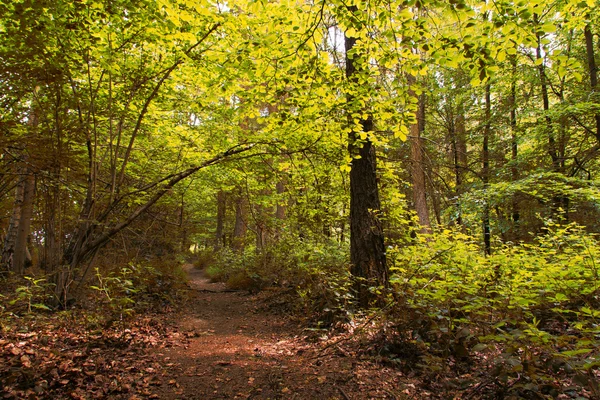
[[231, 349]]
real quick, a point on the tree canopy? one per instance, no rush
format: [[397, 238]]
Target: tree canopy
[[348, 139]]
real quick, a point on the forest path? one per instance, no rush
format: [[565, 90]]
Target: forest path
[[231, 348]]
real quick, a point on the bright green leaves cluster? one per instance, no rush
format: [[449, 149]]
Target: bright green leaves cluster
[[511, 298]]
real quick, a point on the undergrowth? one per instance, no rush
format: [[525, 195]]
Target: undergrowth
[[316, 271], [111, 295], [529, 313], [94, 349], [521, 322]]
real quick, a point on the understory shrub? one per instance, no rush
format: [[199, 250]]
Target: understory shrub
[[317, 271], [140, 286], [531, 310]]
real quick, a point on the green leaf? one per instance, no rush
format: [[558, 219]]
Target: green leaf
[[571, 353], [549, 28]]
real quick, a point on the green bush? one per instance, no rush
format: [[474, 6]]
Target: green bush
[[538, 303], [317, 271], [140, 286], [31, 294]]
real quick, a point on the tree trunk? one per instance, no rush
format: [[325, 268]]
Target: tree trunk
[[546, 107], [280, 210], [418, 170], [21, 255], [184, 245], [459, 156], [15, 253], [486, 171], [514, 143], [261, 216], [52, 233], [558, 202], [240, 227], [367, 251], [221, 213], [591, 59], [10, 240]]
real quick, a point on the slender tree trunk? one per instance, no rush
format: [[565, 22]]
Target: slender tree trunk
[[558, 202], [591, 59], [51, 253], [514, 140], [261, 216], [418, 170], [10, 240], [546, 107], [21, 254], [15, 254], [221, 214], [459, 156], [240, 227], [367, 251], [280, 210], [183, 228], [486, 171]]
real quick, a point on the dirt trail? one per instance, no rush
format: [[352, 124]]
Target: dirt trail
[[233, 349]]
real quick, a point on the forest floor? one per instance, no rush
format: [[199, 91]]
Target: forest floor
[[234, 345], [213, 344], [221, 344]]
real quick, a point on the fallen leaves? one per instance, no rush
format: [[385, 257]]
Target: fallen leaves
[[67, 360]]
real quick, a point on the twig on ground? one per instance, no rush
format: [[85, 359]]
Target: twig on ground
[[344, 395]]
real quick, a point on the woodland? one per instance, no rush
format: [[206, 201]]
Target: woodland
[[409, 186]]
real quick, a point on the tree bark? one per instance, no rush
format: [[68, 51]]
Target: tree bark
[[367, 251], [21, 255], [10, 240], [221, 213], [459, 155], [240, 227], [546, 107], [15, 254], [514, 140], [559, 203], [486, 171], [418, 170], [280, 210], [591, 59]]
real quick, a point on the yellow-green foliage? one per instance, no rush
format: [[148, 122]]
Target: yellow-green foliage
[[543, 296], [317, 271], [139, 286]]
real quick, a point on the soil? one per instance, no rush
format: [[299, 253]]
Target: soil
[[223, 344], [231, 346]]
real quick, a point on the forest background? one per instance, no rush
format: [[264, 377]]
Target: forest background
[[435, 162]]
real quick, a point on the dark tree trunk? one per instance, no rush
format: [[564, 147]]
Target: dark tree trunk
[[221, 213], [22, 256], [261, 215], [52, 233], [418, 166], [367, 251], [459, 156], [486, 171], [591, 59], [514, 140], [546, 107], [15, 252], [240, 227], [280, 210], [558, 202]]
